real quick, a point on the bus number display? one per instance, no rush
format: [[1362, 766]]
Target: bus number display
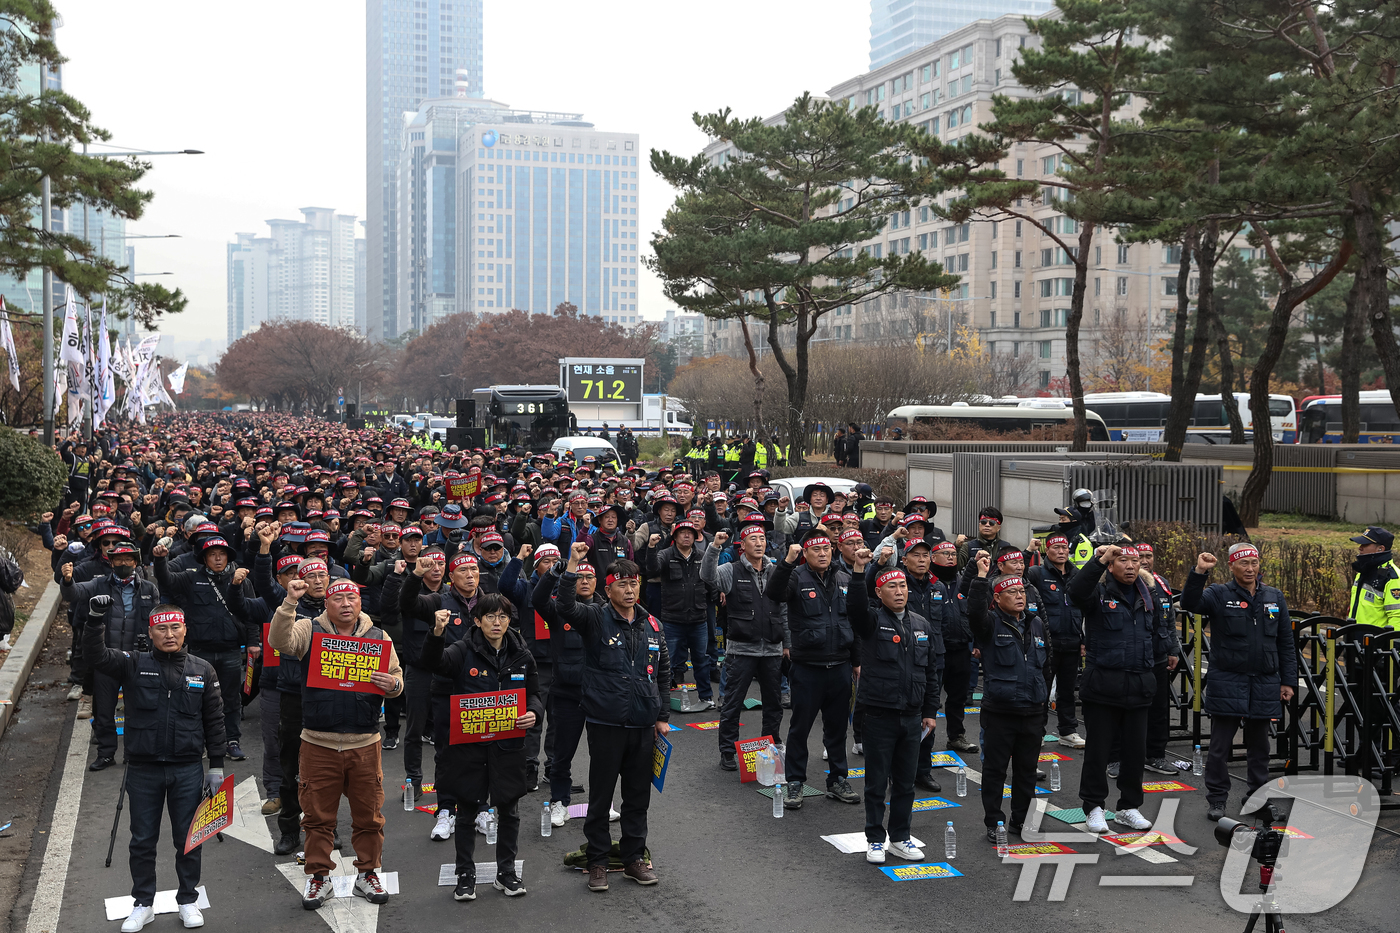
[[529, 408]]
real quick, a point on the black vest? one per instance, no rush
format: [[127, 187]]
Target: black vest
[[682, 591], [751, 615], [894, 661], [165, 709], [1014, 662], [289, 671], [620, 668], [343, 711], [821, 630], [1061, 617]]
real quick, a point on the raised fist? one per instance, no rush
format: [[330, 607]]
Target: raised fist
[[579, 550], [794, 553], [1205, 562], [984, 563], [862, 558], [440, 620], [525, 551], [160, 550], [961, 540], [46, 517], [296, 589], [654, 541], [525, 507], [1107, 552], [60, 542], [422, 565], [400, 566], [1034, 546], [886, 553], [240, 575], [98, 605], [631, 526], [721, 538], [901, 533]]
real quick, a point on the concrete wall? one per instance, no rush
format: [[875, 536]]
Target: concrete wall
[[1368, 497]]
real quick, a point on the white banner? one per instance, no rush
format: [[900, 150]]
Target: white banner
[[118, 362], [7, 343], [76, 395], [72, 349], [104, 387], [146, 348], [177, 379]]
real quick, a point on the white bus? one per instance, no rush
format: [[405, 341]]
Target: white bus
[[1029, 419], [1142, 416]]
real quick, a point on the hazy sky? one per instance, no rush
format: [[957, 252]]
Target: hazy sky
[[274, 92]]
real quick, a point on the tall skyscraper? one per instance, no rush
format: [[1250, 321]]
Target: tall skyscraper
[[898, 27], [414, 50]]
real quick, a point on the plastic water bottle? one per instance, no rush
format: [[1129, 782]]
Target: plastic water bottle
[[1002, 849], [686, 706], [491, 826], [546, 827], [1054, 775], [950, 842], [1198, 762], [408, 795], [777, 801], [962, 781]]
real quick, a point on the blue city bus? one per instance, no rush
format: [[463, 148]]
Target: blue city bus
[[1321, 419]]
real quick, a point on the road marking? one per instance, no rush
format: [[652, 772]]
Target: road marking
[[342, 914], [249, 825], [53, 876]]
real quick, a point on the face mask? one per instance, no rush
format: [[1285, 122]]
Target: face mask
[[122, 571]]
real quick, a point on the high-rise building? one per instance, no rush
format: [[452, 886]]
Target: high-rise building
[[898, 27], [304, 271], [414, 49], [1016, 280], [479, 230]]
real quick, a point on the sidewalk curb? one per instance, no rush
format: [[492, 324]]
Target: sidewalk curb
[[14, 673]]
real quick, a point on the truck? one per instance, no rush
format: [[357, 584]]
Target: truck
[[661, 415]]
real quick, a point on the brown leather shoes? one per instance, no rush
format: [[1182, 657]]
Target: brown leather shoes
[[597, 878], [639, 872]]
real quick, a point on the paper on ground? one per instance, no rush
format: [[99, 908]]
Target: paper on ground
[[119, 908], [850, 843], [485, 873]]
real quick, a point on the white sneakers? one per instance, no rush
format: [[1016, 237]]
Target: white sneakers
[[1131, 819], [138, 918], [875, 853], [558, 813], [1096, 823], [483, 819], [907, 851], [613, 815], [444, 827], [1073, 740], [191, 917]]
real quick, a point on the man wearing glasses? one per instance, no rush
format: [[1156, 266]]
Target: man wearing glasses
[[988, 537], [175, 715]]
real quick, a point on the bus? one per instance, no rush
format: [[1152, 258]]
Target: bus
[[1142, 416], [1049, 415], [533, 417], [1321, 419]]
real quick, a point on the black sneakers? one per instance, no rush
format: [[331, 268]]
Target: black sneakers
[[466, 888], [509, 885]]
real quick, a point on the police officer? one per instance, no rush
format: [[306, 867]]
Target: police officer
[[899, 692], [1079, 522], [1375, 593], [1016, 656], [1253, 665], [1120, 634], [625, 661], [824, 656], [175, 715], [1062, 618]]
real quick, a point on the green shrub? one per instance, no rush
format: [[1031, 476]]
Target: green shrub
[[659, 450], [1313, 577], [31, 476]]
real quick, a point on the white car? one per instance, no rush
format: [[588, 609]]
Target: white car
[[793, 486], [437, 428], [582, 446]]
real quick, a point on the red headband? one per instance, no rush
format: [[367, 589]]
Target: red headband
[[1057, 538], [614, 577], [750, 530], [816, 541], [1010, 555], [944, 546], [287, 563], [309, 567], [343, 586], [166, 617], [586, 569], [1006, 583], [1143, 548], [1237, 552], [849, 534], [460, 560], [888, 577], [1129, 552]]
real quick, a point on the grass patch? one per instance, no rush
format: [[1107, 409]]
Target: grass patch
[[1304, 529]]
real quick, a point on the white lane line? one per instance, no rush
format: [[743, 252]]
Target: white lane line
[[53, 876]]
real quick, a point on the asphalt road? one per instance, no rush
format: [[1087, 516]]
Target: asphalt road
[[724, 862]]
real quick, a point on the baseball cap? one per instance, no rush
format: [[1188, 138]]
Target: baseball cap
[[1375, 535]]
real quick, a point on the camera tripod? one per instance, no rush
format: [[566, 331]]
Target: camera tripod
[[1267, 907]]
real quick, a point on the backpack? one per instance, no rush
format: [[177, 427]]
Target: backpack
[[11, 574]]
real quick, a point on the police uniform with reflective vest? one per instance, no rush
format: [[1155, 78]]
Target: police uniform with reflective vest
[[1375, 593], [1252, 655], [823, 650], [1016, 661], [494, 769], [1120, 655], [1082, 552], [174, 715], [624, 664]]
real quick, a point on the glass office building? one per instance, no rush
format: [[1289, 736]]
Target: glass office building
[[898, 27]]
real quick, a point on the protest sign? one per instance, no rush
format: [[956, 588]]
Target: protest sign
[[212, 816], [541, 628], [271, 657], [747, 752], [344, 662], [463, 487], [660, 761], [485, 717]]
